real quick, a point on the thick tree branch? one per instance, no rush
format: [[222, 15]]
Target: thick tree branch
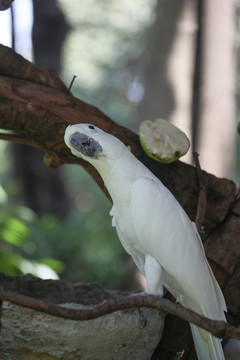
[[23, 140], [217, 328], [35, 103]]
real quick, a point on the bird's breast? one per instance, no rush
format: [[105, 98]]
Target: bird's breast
[[122, 220]]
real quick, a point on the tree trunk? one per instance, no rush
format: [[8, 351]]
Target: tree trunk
[[43, 188], [216, 130]]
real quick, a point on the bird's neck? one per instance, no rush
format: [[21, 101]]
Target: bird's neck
[[119, 176], [118, 182]]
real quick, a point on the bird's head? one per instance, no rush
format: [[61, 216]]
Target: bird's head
[[91, 143]]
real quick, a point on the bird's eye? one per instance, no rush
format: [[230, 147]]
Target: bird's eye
[[91, 127]]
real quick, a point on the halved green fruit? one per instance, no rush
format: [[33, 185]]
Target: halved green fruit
[[163, 141]]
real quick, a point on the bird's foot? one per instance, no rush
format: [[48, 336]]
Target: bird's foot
[[142, 311]]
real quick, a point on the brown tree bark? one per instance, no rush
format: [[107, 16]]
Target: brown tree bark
[[37, 107]]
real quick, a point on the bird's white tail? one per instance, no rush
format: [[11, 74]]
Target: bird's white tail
[[207, 346]]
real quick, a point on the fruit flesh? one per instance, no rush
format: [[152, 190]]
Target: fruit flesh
[[163, 141]]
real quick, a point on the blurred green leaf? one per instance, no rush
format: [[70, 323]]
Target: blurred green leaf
[[14, 231], [10, 263]]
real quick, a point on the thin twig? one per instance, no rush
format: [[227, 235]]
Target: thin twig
[[217, 328], [202, 198], [71, 83], [24, 140], [51, 159]]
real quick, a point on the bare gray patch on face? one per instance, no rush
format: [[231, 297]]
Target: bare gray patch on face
[[85, 145]]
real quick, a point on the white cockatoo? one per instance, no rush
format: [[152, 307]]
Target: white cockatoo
[[155, 230]]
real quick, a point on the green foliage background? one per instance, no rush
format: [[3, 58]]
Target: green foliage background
[[83, 248]]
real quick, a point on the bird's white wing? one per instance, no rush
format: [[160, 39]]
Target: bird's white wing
[[166, 233]]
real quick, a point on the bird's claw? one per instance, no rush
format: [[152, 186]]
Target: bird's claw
[[142, 312]]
